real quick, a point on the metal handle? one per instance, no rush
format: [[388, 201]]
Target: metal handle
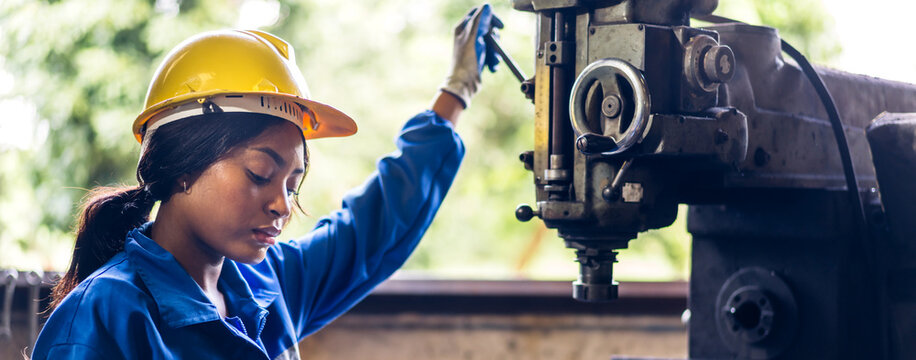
[[33, 279], [524, 212], [8, 278], [491, 41], [609, 70]]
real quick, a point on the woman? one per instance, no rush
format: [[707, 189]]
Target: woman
[[223, 147]]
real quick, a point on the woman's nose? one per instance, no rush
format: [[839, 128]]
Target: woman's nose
[[279, 206]]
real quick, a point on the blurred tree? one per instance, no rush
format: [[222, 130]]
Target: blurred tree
[[80, 68], [84, 66], [806, 24]]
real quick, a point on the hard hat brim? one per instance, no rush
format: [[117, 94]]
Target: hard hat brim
[[328, 121]]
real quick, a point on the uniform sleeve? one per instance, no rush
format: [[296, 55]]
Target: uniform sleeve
[[350, 251], [105, 318]]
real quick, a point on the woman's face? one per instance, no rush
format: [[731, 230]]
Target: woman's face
[[237, 206]]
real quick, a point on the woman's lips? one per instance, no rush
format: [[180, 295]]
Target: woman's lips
[[266, 236]]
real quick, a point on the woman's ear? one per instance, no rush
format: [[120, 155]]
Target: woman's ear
[[183, 184]]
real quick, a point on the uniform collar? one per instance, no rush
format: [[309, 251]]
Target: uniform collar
[[180, 300]]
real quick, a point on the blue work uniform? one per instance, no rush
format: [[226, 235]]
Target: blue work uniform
[[143, 305]]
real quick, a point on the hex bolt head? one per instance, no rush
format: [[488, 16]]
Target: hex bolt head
[[610, 106], [719, 64]]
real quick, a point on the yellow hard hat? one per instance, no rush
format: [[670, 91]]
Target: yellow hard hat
[[235, 70]]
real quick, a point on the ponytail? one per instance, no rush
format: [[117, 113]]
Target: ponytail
[[107, 215]]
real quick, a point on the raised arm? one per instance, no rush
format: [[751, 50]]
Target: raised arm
[[357, 247], [447, 106], [380, 223]]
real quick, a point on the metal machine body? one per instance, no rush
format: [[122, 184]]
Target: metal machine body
[[637, 112]]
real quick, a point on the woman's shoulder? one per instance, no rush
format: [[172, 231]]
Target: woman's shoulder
[[118, 276], [104, 303], [111, 291]]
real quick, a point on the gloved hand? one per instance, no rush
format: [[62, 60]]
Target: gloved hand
[[471, 53]]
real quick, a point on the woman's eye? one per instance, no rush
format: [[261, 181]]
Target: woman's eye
[[257, 179], [291, 192]]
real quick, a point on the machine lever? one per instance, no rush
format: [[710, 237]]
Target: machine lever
[[491, 41], [593, 143], [33, 280], [524, 213]]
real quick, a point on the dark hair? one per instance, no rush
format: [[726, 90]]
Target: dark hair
[[186, 147]]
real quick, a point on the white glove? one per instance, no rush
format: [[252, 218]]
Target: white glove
[[471, 53]]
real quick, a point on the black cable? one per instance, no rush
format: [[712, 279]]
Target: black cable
[[839, 134], [852, 185], [867, 245]]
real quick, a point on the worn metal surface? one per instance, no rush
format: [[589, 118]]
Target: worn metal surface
[[892, 138], [803, 236], [787, 120], [541, 110], [740, 133]]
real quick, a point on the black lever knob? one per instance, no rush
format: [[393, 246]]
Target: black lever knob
[[594, 143], [524, 213], [527, 158]]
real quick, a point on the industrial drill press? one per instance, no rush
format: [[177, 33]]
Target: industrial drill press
[[796, 251]]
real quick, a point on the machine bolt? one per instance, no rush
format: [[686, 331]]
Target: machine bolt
[[610, 106], [719, 64], [721, 137]]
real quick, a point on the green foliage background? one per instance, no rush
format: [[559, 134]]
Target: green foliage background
[[84, 65]]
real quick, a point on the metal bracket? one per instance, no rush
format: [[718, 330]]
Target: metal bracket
[[559, 52], [561, 210]]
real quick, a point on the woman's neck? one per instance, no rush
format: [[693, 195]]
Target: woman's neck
[[198, 259]]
